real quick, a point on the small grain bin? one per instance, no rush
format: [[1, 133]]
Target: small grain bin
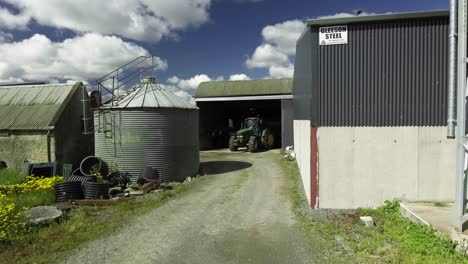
[[149, 127]]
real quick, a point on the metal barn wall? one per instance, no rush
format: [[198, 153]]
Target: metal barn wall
[[287, 126], [71, 145], [388, 74], [302, 82]]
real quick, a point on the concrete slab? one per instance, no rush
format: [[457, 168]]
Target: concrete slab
[[439, 216]]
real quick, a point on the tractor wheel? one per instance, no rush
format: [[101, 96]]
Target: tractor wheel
[[252, 145], [232, 143], [268, 140]]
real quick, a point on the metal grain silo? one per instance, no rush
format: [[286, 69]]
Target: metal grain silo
[[149, 127]]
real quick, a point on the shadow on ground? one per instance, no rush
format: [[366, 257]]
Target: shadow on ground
[[219, 167]]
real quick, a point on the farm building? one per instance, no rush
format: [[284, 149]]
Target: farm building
[[224, 104], [42, 123], [370, 110]]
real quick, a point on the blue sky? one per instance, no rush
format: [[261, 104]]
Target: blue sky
[[211, 39]]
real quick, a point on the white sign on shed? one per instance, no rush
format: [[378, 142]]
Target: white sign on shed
[[333, 35]]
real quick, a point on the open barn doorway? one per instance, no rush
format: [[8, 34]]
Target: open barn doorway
[[220, 118]]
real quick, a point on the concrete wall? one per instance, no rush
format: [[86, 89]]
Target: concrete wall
[[19, 148], [302, 149], [364, 166]]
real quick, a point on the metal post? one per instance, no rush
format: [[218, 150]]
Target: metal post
[[452, 81], [460, 203]]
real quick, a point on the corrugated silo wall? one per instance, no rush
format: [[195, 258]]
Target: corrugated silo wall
[[165, 139], [378, 114]]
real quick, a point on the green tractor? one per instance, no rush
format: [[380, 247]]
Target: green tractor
[[252, 135]]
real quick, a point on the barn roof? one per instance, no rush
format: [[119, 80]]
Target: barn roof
[[33, 107], [244, 88], [377, 18]]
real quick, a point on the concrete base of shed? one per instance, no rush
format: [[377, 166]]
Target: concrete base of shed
[[350, 167], [364, 166], [440, 217]]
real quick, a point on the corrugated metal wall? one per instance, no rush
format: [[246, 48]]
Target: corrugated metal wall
[[164, 138], [389, 74], [302, 76]]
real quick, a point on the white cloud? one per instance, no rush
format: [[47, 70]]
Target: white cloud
[[281, 71], [177, 91], [239, 77], [144, 20], [12, 21], [188, 84], [185, 88], [80, 58], [344, 14], [284, 35], [5, 37], [278, 49], [267, 55]]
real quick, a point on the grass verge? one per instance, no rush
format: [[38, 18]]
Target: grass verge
[[394, 239], [9, 176], [53, 243]]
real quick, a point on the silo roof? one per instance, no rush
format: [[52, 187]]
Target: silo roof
[[150, 95], [33, 107], [244, 88]]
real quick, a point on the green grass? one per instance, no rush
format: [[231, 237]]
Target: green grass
[[394, 239], [53, 243], [9, 176], [34, 198]]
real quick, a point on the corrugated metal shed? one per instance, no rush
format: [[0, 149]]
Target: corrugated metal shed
[[244, 88], [34, 107], [392, 71]]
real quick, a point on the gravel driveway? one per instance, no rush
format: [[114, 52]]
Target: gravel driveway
[[240, 212]]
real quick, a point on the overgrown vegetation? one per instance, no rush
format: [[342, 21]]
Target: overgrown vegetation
[[53, 243], [9, 176], [394, 239], [16, 197]]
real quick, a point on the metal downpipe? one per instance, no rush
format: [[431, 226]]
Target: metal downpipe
[[452, 76]]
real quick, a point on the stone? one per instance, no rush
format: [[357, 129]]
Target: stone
[[44, 214], [115, 190], [134, 186], [157, 191], [136, 193], [368, 221], [64, 206]]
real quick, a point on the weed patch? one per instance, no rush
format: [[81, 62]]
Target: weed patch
[[394, 239], [9, 176], [53, 243]]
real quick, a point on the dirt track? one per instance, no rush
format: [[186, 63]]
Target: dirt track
[[240, 213]]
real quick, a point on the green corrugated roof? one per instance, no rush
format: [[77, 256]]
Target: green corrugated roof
[[244, 88], [33, 107]]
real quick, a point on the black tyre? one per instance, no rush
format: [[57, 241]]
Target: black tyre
[[268, 140], [252, 145], [232, 143]]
